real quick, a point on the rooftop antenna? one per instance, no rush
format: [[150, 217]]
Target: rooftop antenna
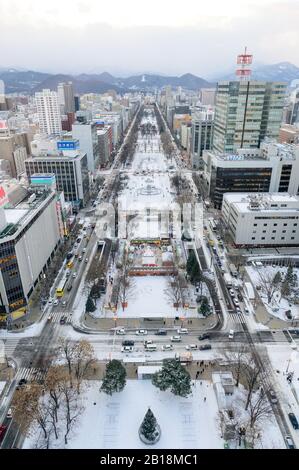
[[244, 60]]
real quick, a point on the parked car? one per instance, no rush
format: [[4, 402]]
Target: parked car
[[205, 347], [289, 442], [161, 332], [288, 314], [191, 346], [175, 339], [9, 413], [293, 420], [204, 336], [236, 302], [69, 288], [272, 396], [64, 303], [232, 293], [74, 275], [141, 332], [56, 302], [231, 334], [167, 347], [126, 349], [121, 331], [128, 342], [182, 331]]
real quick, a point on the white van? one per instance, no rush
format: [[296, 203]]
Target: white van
[[231, 334], [150, 347]]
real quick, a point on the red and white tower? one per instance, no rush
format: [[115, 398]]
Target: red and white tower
[[244, 60]]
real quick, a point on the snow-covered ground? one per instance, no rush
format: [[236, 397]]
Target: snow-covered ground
[[113, 422], [279, 305], [284, 360]]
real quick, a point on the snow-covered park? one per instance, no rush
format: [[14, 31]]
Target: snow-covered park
[[278, 293]]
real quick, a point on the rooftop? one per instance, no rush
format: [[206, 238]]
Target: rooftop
[[249, 202]]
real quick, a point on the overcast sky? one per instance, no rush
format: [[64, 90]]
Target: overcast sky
[[128, 36]]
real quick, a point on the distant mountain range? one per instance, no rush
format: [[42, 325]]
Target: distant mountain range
[[30, 81], [22, 81], [281, 72]]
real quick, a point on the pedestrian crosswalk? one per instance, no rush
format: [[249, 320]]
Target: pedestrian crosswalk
[[10, 346], [56, 317], [31, 374]]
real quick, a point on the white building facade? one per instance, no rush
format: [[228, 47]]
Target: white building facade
[[48, 110], [264, 219]]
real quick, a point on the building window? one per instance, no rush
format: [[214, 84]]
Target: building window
[[263, 238], [282, 238], [253, 238], [273, 231]]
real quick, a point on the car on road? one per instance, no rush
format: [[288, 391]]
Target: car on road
[[191, 346], [231, 334], [161, 332], [9, 413], [50, 302], [126, 349], [176, 339], [74, 275], [64, 303], [84, 250], [150, 347], [205, 347], [232, 293], [78, 240], [3, 429], [141, 332], [86, 260], [167, 347], [69, 288], [121, 331], [246, 310], [204, 336], [62, 320], [293, 420], [182, 331], [272, 396], [49, 318], [289, 442], [80, 258], [236, 302], [238, 310], [56, 302], [22, 382], [127, 342]]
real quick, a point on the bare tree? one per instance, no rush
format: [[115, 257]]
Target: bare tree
[[56, 375], [237, 356], [126, 286], [269, 288], [83, 361], [72, 408], [252, 374], [66, 347], [30, 408], [259, 409], [173, 291]]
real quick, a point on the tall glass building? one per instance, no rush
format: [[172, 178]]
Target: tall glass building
[[247, 112]]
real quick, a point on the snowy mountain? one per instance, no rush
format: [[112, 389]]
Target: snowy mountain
[[281, 72]]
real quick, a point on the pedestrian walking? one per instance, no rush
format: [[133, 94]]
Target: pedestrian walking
[[200, 383], [205, 399]]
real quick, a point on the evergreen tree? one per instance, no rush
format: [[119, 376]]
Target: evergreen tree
[[192, 268], [95, 291], [205, 307], [148, 427], [90, 306], [173, 376], [115, 377], [277, 278]]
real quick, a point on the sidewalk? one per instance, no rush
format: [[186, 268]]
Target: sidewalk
[[108, 323]]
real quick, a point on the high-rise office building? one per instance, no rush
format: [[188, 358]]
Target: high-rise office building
[[89, 143], [66, 97], [201, 135], [247, 112], [48, 112]]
